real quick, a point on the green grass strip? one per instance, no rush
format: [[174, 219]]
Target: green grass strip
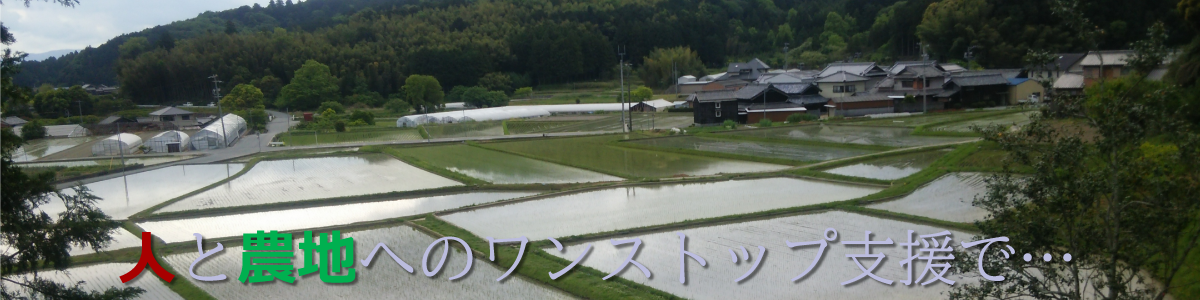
[[536, 264], [613, 173], [423, 132], [858, 159], [926, 129], [770, 160], [911, 218], [734, 136], [423, 165]]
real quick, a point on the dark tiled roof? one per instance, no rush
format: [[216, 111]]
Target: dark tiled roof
[[170, 111], [772, 105], [808, 99], [750, 91], [918, 71], [794, 88], [862, 98], [753, 64], [841, 76], [14, 121], [979, 80], [714, 96]]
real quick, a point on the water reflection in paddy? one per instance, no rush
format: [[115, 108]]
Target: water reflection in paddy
[[149, 188], [630, 207], [314, 178], [293, 219]]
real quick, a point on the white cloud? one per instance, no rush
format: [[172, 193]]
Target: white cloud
[[45, 26]]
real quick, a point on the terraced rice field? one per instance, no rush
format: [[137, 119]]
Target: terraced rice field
[[632, 207], [352, 136], [39, 148], [181, 230], [1013, 119], [301, 179], [465, 129], [114, 162], [500, 168], [922, 119], [593, 153], [149, 188], [773, 280], [947, 198], [862, 135], [384, 279], [536, 126], [103, 276], [804, 153], [891, 167], [641, 121]]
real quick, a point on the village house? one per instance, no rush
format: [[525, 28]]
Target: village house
[[177, 117], [749, 104], [976, 91]]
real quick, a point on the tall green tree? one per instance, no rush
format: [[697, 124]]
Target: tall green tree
[[243, 96], [423, 92], [664, 65], [312, 85]]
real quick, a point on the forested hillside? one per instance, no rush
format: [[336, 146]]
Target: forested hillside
[[371, 46], [96, 65]]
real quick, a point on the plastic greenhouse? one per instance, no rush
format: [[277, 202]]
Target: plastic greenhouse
[[116, 144], [214, 137], [169, 141]]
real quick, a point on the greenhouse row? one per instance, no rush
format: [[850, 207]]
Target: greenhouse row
[[504, 113], [219, 133]]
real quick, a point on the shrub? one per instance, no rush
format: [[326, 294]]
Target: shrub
[[524, 92], [340, 126], [33, 130], [366, 117], [729, 124], [336, 107], [798, 117], [398, 105], [764, 123]]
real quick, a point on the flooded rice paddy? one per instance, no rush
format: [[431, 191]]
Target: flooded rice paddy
[[114, 162], [149, 188], [760, 149], [501, 168], [947, 198], [384, 279], [593, 153], [631, 207], [173, 231], [773, 280], [891, 167], [862, 135], [922, 119], [465, 129], [301, 179], [39, 148], [1013, 119]]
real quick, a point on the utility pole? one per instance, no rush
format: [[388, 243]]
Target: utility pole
[[924, 82], [217, 96], [80, 103], [675, 74], [621, 66]]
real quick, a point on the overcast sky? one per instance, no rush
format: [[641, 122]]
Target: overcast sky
[[45, 26]]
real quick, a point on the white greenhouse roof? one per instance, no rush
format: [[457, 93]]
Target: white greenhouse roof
[[503, 113]]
